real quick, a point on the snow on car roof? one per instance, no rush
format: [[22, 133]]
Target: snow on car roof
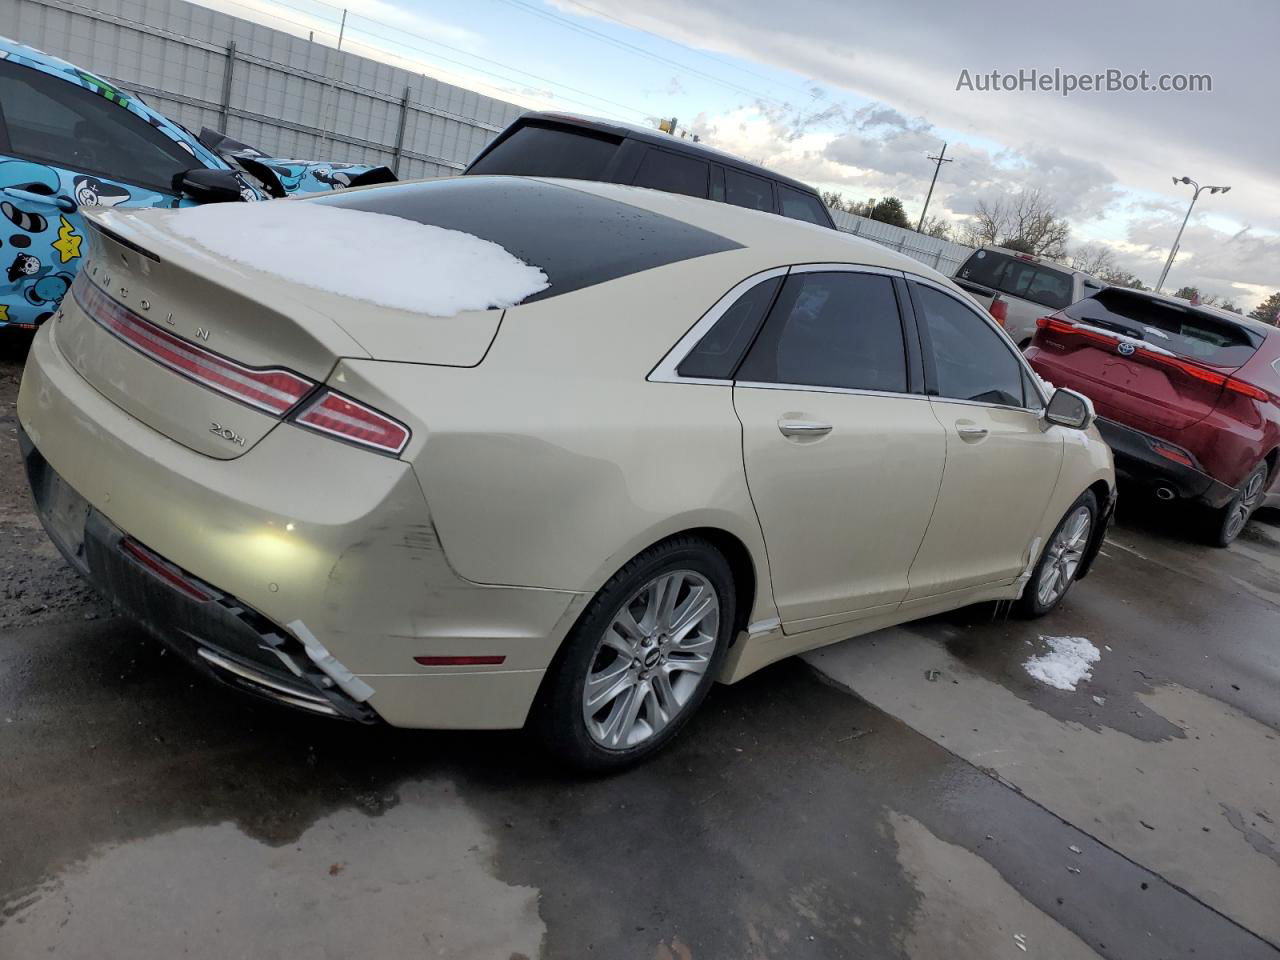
[[374, 257]]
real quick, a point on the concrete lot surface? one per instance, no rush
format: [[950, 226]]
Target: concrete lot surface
[[914, 793]]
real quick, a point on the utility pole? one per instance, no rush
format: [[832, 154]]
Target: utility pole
[[941, 158], [324, 94]]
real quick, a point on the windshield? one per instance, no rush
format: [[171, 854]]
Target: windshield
[[1186, 331], [1036, 282]]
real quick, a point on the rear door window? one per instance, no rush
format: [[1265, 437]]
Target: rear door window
[[970, 360], [803, 206], [1026, 279], [744, 190], [838, 329], [546, 150], [673, 172], [1185, 331]]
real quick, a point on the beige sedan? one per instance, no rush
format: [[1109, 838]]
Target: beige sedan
[[490, 452]]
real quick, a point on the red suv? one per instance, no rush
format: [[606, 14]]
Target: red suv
[[1188, 396]]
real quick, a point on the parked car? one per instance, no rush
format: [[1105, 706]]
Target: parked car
[[703, 440], [1186, 396], [1017, 288], [588, 148], [70, 140]]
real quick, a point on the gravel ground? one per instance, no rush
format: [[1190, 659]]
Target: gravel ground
[[36, 585]]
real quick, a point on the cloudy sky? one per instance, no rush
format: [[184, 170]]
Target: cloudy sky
[[853, 96]]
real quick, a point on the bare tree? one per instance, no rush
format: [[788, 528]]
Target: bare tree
[[938, 227], [1027, 219], [1122, 278], [1094, 258]]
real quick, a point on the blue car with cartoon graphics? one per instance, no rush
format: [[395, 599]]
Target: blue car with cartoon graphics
[[69, 139]]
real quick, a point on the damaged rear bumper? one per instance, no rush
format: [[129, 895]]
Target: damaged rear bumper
[[209, 628]]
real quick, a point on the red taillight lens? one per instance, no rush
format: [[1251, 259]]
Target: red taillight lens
[[1247, 389], [273, 390], [332, 413], [164, 570], [1172, 453], [999, 311]]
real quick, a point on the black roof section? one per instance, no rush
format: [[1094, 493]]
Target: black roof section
[[578, 239], [659, 139]]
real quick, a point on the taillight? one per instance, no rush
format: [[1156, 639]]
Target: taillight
[[339, 416], [164, 570], [999, 311], [271, 389]]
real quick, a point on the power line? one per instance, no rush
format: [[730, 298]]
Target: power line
[[633, 48], [418, 36], [702, 53]]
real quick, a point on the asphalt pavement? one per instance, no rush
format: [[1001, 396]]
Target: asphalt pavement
[[913, 793]]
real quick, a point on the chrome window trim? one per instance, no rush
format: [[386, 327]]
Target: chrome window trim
[[853, 391], [665, 371], [1008, 340]]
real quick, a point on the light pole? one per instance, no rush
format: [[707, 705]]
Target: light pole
[[1173, 251]]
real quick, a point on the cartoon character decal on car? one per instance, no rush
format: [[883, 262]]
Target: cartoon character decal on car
[[41, 230]]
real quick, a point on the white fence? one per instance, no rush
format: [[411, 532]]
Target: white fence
[[283, 94], [943, 255]]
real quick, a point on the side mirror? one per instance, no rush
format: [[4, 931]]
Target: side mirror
[[209, 186], [1069, 409]]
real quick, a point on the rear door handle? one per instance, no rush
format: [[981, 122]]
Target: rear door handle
[[803, 428], [970, 431], [63, 203]]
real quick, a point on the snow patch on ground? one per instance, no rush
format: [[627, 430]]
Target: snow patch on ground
[[1069, 661], [385, 260]]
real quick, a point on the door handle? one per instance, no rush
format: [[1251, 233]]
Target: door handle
[[970, 431], [803, 428], [65, 204]]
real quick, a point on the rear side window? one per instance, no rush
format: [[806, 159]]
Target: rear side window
[[802, 206], [970, 360], [1186, 331], [717, 354], [834, 329], [62, 123], [744, 190], [673, 173], [1020, 278], [538, 150]]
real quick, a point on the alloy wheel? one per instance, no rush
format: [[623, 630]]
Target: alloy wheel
[[651, 659], [1063, 556], [1242, 509]]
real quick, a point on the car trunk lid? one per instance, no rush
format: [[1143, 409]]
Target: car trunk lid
[[214, 355]]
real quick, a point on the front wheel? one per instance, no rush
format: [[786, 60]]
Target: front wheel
[[1061, 559], [640, 659], [1227, 523]]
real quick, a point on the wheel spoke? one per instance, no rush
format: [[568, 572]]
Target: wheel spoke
[[624, 634], [662, 596], [605, 686], [691, 612], [697, 645]]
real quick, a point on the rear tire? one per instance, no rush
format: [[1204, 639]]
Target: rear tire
[[640, 659], [1226, 523], [1055, 571]]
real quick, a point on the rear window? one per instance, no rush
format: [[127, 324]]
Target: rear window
[[543, 150], [1186, 331], [576, 238], [1019, 278]]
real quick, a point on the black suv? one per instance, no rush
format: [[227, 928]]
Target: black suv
[[584, 148]]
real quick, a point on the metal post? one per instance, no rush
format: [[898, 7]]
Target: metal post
[[1173, 251], [941, 158], [227, 73], [399, 147], [324, 97]]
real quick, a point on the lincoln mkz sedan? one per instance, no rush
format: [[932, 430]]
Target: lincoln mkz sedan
[[709, 438]]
